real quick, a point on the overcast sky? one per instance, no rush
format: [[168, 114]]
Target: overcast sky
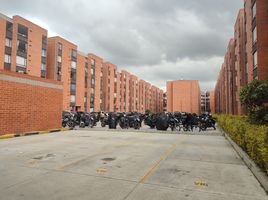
[[158, 40]]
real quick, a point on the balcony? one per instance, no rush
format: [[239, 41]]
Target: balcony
[[9, 34], [8, 50], [22, 54], [22, 38], [21, 69], [44, 60], [7, 66], [43, 73]]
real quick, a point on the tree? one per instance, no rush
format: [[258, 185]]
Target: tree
[[255, 96]]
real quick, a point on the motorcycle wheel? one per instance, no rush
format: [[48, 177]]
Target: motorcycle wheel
[[82, 125], [102, 124], [71, 124], [136, 125]]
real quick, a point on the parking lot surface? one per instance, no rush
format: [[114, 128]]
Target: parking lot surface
[[118, 165]]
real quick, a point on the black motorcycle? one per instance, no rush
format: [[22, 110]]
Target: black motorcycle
[[173, 122], [112, 120], [123, 121], [206, 121], [89, 120], [150, 120], [68, 120], [104, 119], [134, 121]]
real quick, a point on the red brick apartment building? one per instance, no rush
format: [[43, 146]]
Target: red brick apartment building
[[212, 101], [62, 66], [183, 96], [89, 82], [23, 46], [249, 61], [96, 83]]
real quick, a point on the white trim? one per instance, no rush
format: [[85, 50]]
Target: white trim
[[4, 77]]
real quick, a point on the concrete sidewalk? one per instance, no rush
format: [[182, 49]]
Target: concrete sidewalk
[[124, 165]]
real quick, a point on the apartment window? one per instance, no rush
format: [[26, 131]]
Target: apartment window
[[22, 46], [22, 30], [73, 75], [255, 59], [254, 10], [9, 26], [7, 58], [60, 46], [92, 71], [8, 42], [44, 39], [254, 35], [44, 53], [73, 64], [74, 54], [92, 62], [59, 59], [73, 87], [43, 67], [72, 98], [21, 61]]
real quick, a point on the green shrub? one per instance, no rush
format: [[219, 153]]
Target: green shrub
[[254, 97], [253, 139]]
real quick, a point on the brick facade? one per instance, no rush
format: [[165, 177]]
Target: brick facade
[[183, 96], [24, 43], [60, 61], [249, 61], [29, 103]]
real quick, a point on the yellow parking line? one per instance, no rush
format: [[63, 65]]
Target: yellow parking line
[[7, 136], [157, 163], [43, 132]]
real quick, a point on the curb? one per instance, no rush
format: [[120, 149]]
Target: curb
[[12, 135], [256, 171]]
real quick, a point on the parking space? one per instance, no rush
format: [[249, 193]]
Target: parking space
[[112, 164]]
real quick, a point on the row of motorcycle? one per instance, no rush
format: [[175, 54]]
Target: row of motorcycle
[[160, 121]]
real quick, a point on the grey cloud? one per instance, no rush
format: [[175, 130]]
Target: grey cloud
[[142, 35]]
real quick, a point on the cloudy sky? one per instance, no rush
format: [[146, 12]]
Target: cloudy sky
[[158, 40]]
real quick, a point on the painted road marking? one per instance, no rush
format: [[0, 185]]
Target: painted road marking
[[157, 163], [101, 170], [201, 183]]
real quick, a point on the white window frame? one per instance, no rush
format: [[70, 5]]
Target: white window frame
[[44, 53], [59, 59], [73, 97], [7, 58], [254, 35], [73, 65], [254, 10], [43, 67], [21, 62], [8, 42], [255, 59]]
